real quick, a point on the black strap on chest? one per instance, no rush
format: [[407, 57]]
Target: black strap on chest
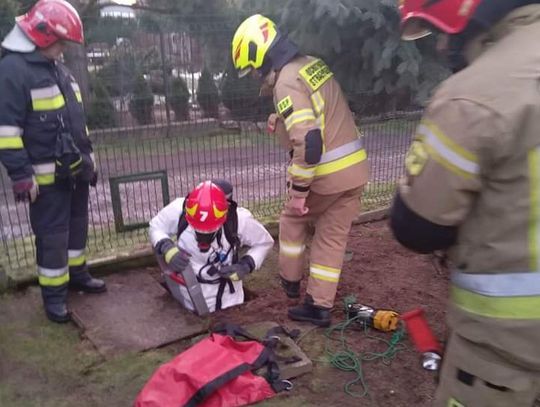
[[230, 228]]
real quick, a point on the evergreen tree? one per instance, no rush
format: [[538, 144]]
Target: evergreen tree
[[8, 11], [207, 94], [179, 99], [101, 109], [142, 104], [360, 40], [241, 97]]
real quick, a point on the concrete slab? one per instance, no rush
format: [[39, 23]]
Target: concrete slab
[[135, 314]]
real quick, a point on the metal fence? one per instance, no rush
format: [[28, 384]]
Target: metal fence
[[152, 144]]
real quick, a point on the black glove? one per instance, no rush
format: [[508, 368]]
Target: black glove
[[238, 271], [89, 171], [175, 258]]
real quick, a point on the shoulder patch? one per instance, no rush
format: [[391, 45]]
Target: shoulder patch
[[285, 107], [416, 158], [315, 74]]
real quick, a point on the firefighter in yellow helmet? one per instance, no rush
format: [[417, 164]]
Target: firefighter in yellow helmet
[[328, 165], [473, 190]]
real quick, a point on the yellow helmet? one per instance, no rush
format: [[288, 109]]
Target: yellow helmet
[[251, 42]]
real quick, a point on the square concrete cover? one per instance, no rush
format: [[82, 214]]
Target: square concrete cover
[[135, 314], [287, 348]]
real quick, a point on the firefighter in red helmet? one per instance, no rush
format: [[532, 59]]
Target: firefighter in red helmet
[[209, 230], [472, 190], [45, 148], [50, 21]]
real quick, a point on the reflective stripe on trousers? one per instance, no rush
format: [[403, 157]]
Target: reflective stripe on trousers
[[505, 295], [53, 277], [291, 249], [76, 258]]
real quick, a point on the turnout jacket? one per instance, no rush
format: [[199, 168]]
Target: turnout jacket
[[39, 99]]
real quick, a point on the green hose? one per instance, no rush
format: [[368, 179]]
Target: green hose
[[345, 359]]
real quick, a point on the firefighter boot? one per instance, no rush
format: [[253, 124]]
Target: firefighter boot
[[84, 282], [291, 288], [54, 302], [57, 312], [309, 312]]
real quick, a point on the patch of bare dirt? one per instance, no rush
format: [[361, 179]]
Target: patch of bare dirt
[[381, 274]]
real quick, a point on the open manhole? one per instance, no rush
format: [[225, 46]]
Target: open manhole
[[249, 295]]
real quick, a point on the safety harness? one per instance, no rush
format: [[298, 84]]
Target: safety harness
[[222, 370]]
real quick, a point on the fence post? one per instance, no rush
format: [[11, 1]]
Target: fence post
[[165, 80], [4, 280]]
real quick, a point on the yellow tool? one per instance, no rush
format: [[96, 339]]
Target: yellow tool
[[383, 320]]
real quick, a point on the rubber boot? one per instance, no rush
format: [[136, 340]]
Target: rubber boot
[[57, 313], [309, 312], [291, 288], [84, 282], [54, 302]]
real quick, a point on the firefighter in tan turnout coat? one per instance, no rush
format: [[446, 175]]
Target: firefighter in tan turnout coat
[[328, 165], [473, 190]]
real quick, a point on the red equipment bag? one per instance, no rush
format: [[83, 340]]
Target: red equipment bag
[[218, 371]]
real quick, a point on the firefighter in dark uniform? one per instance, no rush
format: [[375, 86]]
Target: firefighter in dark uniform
[[473, 191], [45, 148]]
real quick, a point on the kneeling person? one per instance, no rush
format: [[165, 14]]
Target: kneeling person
[[209, 231]]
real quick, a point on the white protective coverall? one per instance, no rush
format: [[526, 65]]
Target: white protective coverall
[[250, 232]]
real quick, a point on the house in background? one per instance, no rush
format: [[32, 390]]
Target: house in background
[[121, 8]]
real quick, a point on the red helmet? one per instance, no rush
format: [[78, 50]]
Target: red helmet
[[419, 16], [206, 207], [51, 20]]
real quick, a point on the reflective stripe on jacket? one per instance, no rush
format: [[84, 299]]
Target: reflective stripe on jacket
[[309, 100], [39, 98]]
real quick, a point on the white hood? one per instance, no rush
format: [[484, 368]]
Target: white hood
[[17, 41]]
